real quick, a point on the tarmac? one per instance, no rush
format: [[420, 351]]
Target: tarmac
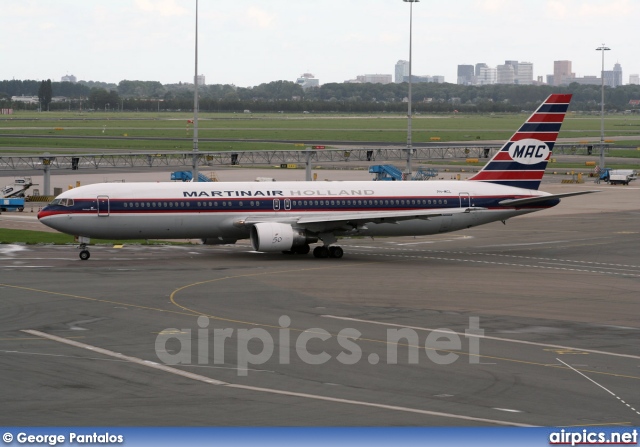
[[530, 323]]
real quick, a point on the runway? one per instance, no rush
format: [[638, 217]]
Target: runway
[[530, 323]]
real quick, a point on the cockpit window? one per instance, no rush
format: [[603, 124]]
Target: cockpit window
[[62, 202]]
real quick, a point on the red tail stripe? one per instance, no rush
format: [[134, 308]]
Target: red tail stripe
[[558, 99], [546, 118], [509, 175]]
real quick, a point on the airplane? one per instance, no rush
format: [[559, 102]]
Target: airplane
[[289, 216]]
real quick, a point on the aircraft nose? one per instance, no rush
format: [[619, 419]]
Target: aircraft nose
[[43, 213]]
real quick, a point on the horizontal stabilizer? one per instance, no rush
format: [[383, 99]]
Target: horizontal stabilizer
[[538, 199]]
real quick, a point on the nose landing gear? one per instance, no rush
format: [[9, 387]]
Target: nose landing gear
[[84, 255], [84, 252]]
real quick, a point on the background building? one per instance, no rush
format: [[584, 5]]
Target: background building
[[613, 78], [374, 78], [307, 80], [486, 75], [69, 78], [588, 80], [425, 78], [200, 79], [402, 71], [562, 74], [634, 79], [617, 75], [505, 74], [479, 66], [524, 73], [466, 73]]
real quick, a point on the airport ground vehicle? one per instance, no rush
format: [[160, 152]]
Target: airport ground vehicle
[[617, 176], [12, 204]]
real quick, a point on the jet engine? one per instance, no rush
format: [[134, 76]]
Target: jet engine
[[273, 236]]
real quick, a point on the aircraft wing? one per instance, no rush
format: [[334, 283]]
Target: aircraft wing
[[330, 222], [532, 200]]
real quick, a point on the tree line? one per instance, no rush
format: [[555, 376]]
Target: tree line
[[286, 96]]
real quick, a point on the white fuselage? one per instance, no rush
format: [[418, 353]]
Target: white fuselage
[[216, 210]]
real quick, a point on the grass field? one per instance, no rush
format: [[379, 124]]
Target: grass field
[[170, 131]]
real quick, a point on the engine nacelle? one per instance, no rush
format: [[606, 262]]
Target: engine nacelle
[[273, 236]]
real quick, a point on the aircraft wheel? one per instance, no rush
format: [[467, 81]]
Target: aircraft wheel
[[321, 252], [336, 252], [302, 249], [84, 255]]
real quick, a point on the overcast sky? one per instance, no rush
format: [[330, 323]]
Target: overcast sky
[[249, 42]]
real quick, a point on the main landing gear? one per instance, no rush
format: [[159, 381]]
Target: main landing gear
[[322, 251]]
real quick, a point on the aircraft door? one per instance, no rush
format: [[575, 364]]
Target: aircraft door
[[103, 206], [465, 200], [276, 204], [287, 204]]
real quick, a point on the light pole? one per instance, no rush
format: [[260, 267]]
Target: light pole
[[195, 110], [409, 143], [603, 48]]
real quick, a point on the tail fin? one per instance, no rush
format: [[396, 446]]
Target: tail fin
[[522, 160]]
